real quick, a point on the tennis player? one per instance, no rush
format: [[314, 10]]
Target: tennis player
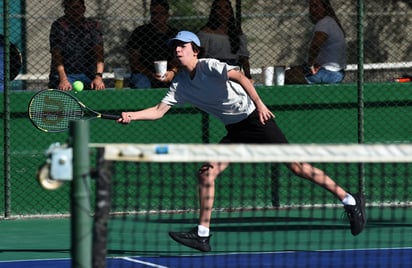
[[226, 93]]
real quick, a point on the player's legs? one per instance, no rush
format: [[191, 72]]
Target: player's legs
[[354, 204], [271, 133], [199, 237], [206, 179], [251, 130], [317, 176]]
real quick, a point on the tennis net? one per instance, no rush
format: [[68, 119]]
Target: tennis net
[[261, 209]]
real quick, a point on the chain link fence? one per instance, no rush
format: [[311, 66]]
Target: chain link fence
[[278, 33]]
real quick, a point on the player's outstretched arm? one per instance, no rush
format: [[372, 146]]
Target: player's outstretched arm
[[152, 113]]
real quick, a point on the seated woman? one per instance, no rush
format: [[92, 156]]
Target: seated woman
[[223, 39], [326, 58]]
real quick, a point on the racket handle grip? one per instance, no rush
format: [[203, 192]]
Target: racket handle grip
[[110, 116]]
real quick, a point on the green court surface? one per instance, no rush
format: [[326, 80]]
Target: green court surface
[[248, 231], [34, 239]]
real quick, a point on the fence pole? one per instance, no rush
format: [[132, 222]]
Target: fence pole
[[360, 85], [6, 110], [81, 223]]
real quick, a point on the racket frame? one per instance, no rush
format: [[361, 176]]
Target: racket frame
[[87, 113]]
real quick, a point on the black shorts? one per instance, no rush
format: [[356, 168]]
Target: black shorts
[[251, 130]]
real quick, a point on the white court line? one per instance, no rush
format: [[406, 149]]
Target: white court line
[[300, 251], [143, 262]]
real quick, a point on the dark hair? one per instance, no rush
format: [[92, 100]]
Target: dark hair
[[66, 3], [200, 50], [163, 3], [331, 12], [234, 30]]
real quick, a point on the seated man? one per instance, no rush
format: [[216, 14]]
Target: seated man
[[77, 49], [147, 44]]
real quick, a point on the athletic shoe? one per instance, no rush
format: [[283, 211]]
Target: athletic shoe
[[192, 239], [356, 214]]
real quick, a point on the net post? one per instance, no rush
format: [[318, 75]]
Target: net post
[[81, 220], [102, 210]]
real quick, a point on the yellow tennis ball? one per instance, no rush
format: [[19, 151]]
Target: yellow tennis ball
[[78, 86]]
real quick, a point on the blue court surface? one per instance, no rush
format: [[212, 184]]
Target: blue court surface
[[385, 258]]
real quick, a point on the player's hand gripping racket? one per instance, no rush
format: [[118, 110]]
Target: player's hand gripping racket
[[51, 110]]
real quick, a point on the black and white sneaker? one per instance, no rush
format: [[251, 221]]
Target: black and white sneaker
[[356, 214], [192, 239]]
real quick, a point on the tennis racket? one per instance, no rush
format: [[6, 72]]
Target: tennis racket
[[51, 110]]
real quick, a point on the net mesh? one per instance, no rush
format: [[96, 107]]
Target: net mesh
[[261, 209]]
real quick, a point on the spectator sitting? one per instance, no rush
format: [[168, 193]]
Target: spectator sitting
[[223, 39], [148, 43], [326, 58], [76, 46]]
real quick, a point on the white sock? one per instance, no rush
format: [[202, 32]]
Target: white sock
[[349, 200], [202, 231]]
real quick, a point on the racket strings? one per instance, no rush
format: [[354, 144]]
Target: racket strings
[[52, 110]]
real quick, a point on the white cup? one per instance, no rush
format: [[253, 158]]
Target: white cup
[[280, 75], [268, 75], [160, 67]]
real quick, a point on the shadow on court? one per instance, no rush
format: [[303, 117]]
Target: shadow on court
[[295, 238]]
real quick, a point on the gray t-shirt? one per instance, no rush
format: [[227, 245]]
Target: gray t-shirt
[[211, 91], [332, 54]]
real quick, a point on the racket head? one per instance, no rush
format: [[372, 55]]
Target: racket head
[[52, 110]]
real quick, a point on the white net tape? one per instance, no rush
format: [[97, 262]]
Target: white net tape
[[252, 153]]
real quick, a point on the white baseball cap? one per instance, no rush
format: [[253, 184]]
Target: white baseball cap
[[186, 37]]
